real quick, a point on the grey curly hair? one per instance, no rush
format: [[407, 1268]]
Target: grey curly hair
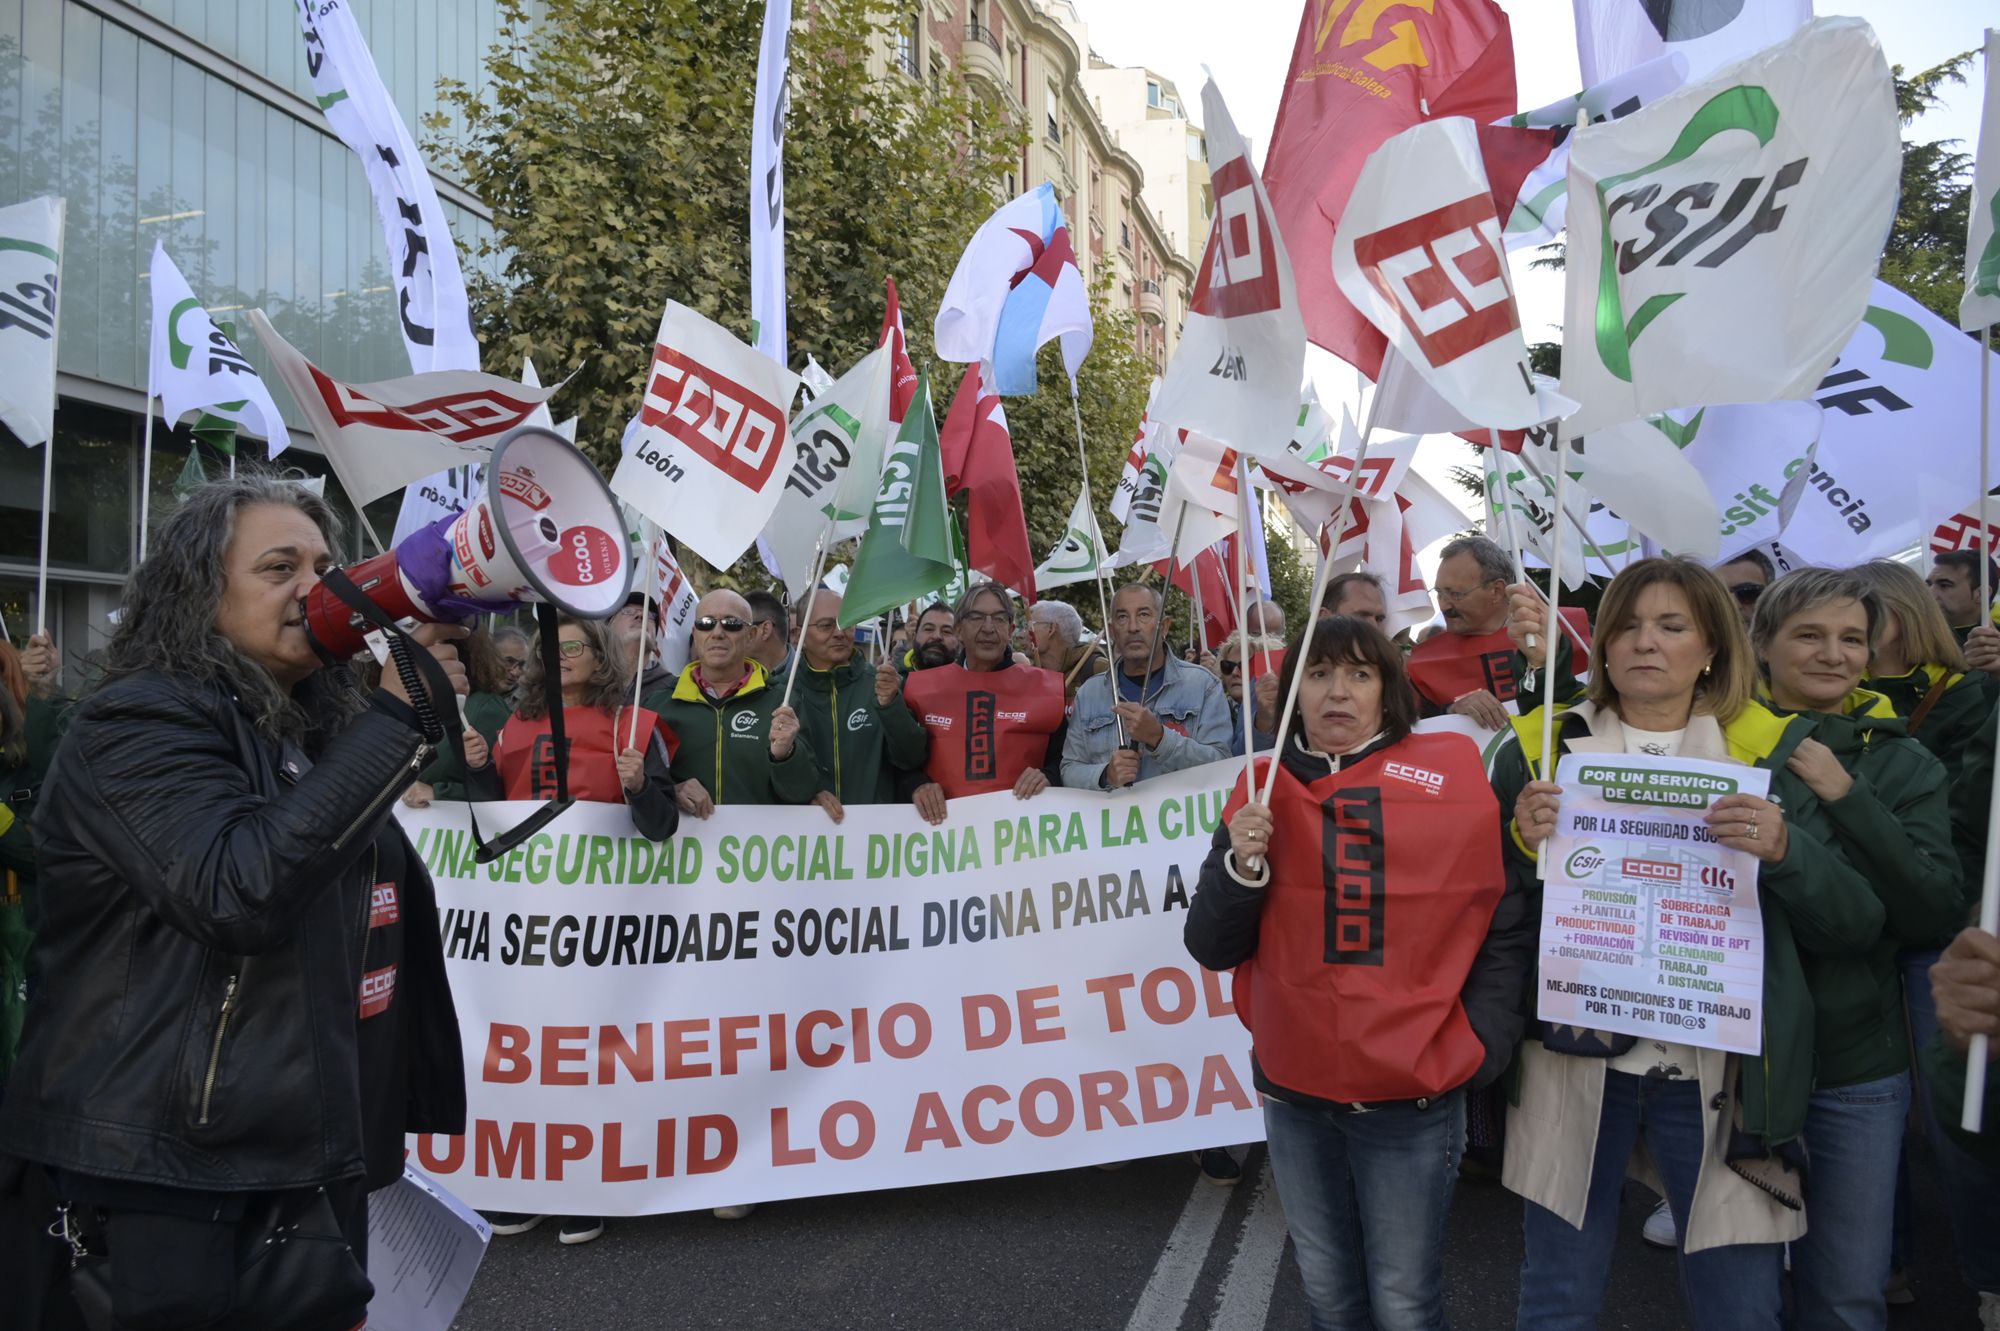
[[166, 622]]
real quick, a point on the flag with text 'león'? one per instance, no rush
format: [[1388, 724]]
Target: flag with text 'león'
[[31, 238], [907, 554], [1722, 242]]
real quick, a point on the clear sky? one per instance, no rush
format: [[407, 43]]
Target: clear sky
[[1247, 45]]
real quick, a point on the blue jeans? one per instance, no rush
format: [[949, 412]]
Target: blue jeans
[[1729, 1288], [1854, 1136], [1365, 1198], [1971, 1189]]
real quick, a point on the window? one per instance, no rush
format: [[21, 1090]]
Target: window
[[937, 75], [1197, 150], [1055, 108], [1152, 93], [908, 38]]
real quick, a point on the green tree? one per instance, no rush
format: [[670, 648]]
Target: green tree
[[613, 145], [1925, 256]]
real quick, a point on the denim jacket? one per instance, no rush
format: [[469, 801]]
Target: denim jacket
[[1189, 702]]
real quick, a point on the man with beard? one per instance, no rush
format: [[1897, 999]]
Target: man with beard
[[1472, 669], [853, 714], [935, 641], [993, 724], [1173, 715]]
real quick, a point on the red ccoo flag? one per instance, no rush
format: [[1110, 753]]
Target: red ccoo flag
[[1362, 72], [902, 374], [979, 464]]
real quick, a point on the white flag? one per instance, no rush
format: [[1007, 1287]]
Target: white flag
[[1201, 505], [431, 306], [31, 240], [767, 182], [196, 367], [1980, 306], [677, 601], [1532, 497], [1899, 445], [709, 455], [1638, 472], [1235, 374], [838, 444], [1722, 241], [1079, 556], [1746, 455], [1418, 252], [1613, 36], [382, 436]]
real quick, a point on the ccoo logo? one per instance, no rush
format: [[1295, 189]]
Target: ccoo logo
[[716, 419]]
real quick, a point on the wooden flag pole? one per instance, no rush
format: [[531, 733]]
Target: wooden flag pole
[[1103, 601]]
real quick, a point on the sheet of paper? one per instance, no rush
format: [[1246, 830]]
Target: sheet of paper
[[424, 1247]]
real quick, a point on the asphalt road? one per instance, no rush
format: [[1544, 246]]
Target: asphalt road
[[1150, 1247]]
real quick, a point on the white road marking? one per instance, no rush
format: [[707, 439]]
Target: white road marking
[[1245, 1301], [1163, 1303]]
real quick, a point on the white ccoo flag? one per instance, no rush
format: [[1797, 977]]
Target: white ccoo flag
[[195, 366], [31, 239], [1722, 241], [1236, 371], [708, 454]]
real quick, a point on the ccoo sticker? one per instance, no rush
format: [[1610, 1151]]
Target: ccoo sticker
[[586, 557]]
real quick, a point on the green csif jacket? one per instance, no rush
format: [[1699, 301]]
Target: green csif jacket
[[861, 748], [727, 745]]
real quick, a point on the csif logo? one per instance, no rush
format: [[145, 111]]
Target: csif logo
[[1694, 224], [743, 723], [1397, 45], [858, 719], [1583, 862]]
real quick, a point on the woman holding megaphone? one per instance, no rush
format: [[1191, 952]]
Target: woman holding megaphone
[[247, 1006]]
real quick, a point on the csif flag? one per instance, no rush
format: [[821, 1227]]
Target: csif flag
[[1980, 306], [380, 437], [1722, 241], [1235, 374], [195, 366], [1016, 287], [31, 242], [1079, 556], [838, 443], [1746, 456], [906, 554]]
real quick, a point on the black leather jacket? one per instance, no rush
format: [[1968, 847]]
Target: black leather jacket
[[205, 904]]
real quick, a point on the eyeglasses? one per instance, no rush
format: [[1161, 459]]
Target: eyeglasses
[[1746, 593], [572, 650], [978, 617], [1445, 594], [824, 625], [728, 624]]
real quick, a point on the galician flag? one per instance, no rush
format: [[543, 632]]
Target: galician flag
[[1980, 306], [1235, 375], [195, 366], [31, 238], [1078, 556], [907, 553], [1722, 242], [1016, 286]]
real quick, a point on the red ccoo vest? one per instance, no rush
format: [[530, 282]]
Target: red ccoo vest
[[526, 753], [1384, 878], [987, 726], [1448, 665]]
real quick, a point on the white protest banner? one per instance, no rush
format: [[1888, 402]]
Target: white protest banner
[[31, 240], [1418, 253], [197, 367], [1899, 446], [767, 182], [1722, 241], [710, 438], [1242, 352], [771, 1006], [1649, 927]]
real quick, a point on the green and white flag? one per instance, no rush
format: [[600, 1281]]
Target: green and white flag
[[1079, 556], [195, 366], [907, 552], [1980, 306], [838, 443], [30, 281], [1723, 240]]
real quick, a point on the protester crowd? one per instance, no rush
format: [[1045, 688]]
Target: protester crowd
[[200, 845]]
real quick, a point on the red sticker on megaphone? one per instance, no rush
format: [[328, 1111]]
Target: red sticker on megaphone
[[587, 556]]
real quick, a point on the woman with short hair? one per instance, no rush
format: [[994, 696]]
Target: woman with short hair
[[1379, 962], [1879, 802], [1719, 1135]]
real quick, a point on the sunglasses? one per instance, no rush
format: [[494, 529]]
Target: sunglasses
[[1229, 665], [728, 624], [572, 650], [1746, 593]]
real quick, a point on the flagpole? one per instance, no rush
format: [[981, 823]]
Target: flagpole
[[1554, 621], [1321, 577], [812, 594], [1576, 524], [1243, 618], [42, 572], [1496, 485], [1103, 601], [1514, 544], [145, 468], [1985, 479], [645, 623], [1974, 1109]]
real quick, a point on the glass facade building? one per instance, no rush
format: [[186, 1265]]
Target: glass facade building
[[192, 122]]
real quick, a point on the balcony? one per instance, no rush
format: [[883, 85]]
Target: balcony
[[1152, 304], [980, 57]]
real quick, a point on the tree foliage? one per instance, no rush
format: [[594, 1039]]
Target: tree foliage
[[613, 145], [1926, 252]]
